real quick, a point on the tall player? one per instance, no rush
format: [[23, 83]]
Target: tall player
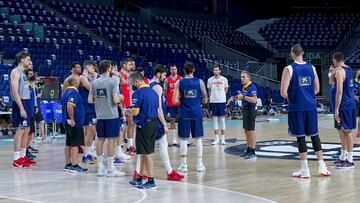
[[190, 91], [21, 108], [299, 84], [172, 108], [105, 94], [218, 87], [344, 114], [126, 68], [86, 79]]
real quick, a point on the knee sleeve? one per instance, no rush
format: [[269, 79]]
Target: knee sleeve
[[199, 148], [222, 122], [163, 147], [216, 122], [316, 143], [183, 147], [301, 144]]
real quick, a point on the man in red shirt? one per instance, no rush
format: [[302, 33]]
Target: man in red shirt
[[172, 108], [126, 67]]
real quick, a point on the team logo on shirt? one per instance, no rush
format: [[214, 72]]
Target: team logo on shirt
[[72, 99], [190, 94], [286, 149], [305, 81], [101, 93], [351, 83], [134, 101]]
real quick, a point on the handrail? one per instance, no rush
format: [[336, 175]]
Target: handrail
[[239, 70], [137, 6], [231, 49], [149, 12]]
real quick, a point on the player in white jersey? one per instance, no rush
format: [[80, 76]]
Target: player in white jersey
[[218, 87]]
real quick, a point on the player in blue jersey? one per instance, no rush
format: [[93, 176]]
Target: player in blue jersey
[[344, 111], [191, 92], [86, 79], [300, 84]]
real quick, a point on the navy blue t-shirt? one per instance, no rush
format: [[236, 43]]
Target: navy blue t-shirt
[[249, 90], [146, 100], [72, 96]]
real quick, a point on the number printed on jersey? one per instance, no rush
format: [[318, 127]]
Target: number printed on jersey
[[190, 94], [305, 81], [101, 93]]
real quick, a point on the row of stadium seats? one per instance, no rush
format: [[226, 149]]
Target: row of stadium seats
[[320, 31]]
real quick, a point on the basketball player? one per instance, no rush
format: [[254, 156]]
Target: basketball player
[[146, 113], [357, 99], [34, 99], [21, 108], [341, 154], [86, 79], [126, 67], [119, 154], [75, 72], [345, 115], [172, 108], [73, 116], [105, 94], [190, 91], [299, 84], [31, 78], [218, 87]]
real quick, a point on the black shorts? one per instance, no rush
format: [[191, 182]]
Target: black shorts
[[146, 136], [74, 136], [32, 125], [249, 118], [38, 116]]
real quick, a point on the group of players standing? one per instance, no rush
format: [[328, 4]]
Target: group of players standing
[[112, 104]]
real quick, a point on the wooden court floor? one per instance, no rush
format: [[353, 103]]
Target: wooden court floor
[[228, 178]]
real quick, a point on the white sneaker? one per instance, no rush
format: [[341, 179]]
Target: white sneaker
[[302, 173], [223, 142], [101, 172], [124, 156], [200, 167], [324, 172], [215, 142], [183, 168], [174, 142], [115, 173]]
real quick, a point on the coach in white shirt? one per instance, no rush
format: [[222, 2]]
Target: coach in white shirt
[[218, 87]]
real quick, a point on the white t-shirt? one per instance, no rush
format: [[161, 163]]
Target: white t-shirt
[[217, 87]]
